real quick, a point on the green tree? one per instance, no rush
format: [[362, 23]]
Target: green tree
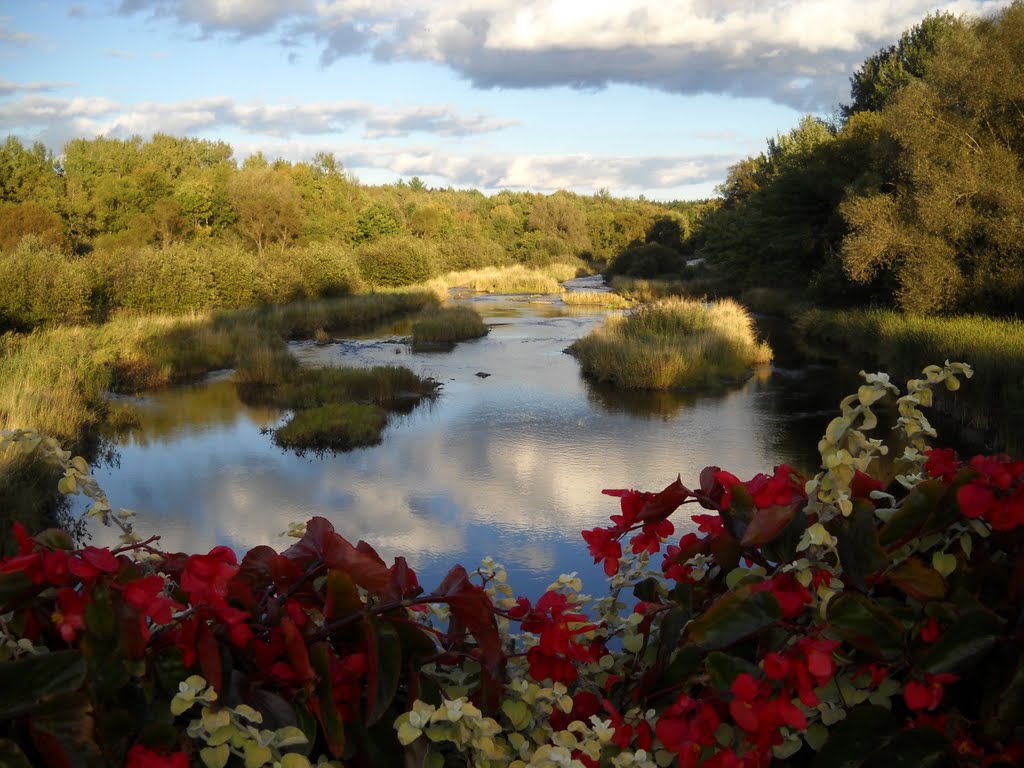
[[267, 207]]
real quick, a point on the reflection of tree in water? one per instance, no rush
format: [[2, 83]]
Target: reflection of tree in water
[[164, 416], [642, 403]]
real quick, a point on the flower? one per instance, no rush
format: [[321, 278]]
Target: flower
[[141, 757]]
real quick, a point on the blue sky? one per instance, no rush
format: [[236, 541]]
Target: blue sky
[[651, 98]]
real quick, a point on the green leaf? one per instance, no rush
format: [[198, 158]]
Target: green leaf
[[853, 740], [914, 577], [724, 669], [55, 538], [913, 514], [62, 730], [31, 681], [215, 757], [859, 551], [11, 755], [342, 597], [970, 637], [865, 625], [12, 585], [916, 748], [330, 719], [732, 617], [384, 667]]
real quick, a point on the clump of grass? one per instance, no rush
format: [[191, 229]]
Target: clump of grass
[[645, 290], [514, 279], [443, 327], [903, 344], [673, 344], [595, 299], [333, 427], [303, 388]]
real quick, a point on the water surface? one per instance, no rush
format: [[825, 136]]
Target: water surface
[[509, 464]]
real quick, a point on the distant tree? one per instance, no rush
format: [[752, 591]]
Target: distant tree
[[267, 206], [20, 220], [378, 220]]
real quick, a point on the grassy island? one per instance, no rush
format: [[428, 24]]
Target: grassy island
[[674, 343]]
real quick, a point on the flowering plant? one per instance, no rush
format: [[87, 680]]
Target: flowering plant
[[871, 615]]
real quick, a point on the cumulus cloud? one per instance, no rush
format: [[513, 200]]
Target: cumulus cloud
[[65, 117], [796, 52]]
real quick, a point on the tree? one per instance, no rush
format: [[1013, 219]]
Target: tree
[[885, 73], [267, 207]]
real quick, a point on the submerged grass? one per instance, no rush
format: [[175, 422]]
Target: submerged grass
[[444, 326], [333, 427], [903, 344], [673, 344]]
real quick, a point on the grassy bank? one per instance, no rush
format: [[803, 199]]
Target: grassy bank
[[515, 279], [442, 327], [53, 381], [673, 344], [644, 290], [903, 344]]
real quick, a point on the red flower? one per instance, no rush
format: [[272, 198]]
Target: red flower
[[205, 577], [927, 695], [709, 524], [649, 538], [70, 614], [930, 631], [791, 595], [93, 561], [604, 545], [779, 490], [975, 499], [942, 463], [146, 595], [141, 757]]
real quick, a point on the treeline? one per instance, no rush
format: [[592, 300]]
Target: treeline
[[913, 197], [175, 224]]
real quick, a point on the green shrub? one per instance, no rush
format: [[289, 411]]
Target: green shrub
[[396, 261], [39, 284]]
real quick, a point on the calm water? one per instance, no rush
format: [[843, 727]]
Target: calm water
[[511, 464]]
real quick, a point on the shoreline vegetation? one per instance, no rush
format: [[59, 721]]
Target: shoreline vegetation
[[675, 343]]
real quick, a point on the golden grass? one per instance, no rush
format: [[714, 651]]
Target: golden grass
[[515, 279], [673, 344], [595, 299], [333, 427], [644, 290]]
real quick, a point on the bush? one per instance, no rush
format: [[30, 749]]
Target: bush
[[396, 261], [41, 285], [868, 616], [445, 326]]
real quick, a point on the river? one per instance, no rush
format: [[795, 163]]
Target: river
[[509, 464]]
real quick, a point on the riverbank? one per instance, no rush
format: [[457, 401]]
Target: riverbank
[[903, 344]]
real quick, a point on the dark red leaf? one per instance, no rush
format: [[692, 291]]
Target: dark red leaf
[[363, 565], [209, 656], [664, 503], [919, 580], [766, 524], [297, 653]]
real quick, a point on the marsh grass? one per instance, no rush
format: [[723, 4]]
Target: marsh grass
[[595, 299], [516, 279], [304, 388], [904, 344], [443, 327], [673, 344], [333, 427], [645, 290]]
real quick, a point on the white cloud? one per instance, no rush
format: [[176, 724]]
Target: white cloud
[[796, 52], [8, 87], [65, 118]]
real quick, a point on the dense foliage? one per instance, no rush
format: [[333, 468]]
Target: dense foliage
[[172, 224], [915, 198], [869, 616]]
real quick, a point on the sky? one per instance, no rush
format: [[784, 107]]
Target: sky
[[652, 98]]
